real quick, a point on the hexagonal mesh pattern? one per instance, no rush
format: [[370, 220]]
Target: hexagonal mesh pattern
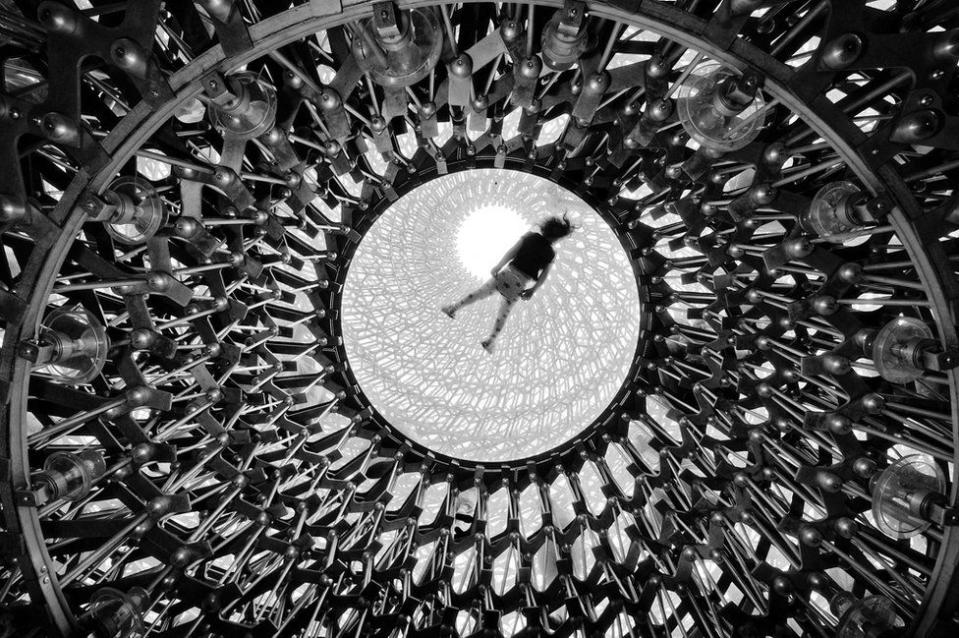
[[558, 363], [185, 449]]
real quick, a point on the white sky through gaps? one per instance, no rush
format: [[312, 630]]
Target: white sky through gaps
[[485, 235], [562, 356]]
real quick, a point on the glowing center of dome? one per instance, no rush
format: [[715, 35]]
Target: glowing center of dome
[[562, 356], [487, 233]]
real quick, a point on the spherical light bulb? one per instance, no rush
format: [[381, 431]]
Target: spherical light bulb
[[719, 108], [68, 475], [902, 493], [79, 345], [252, 111], [402, 51], [871, 616], [140, 210], [834, 210], [117, 614], [897, 349]]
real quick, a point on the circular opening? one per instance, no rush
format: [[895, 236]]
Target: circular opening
[[485, 235], [562, 355]]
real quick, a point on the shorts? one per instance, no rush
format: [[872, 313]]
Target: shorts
[[510, 282]]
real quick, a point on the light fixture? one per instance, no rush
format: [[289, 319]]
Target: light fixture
[[398, 48], [139, 211], [871, 617], [564, 38], [904, 494], [903, 349], [247, 109], [115, 614], [837, 208], [721, 108], [72, 346], [68, 475]]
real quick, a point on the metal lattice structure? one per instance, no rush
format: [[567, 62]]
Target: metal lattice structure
[[561, 361], [185, 449]]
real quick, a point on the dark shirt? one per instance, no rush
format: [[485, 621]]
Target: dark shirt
[[533, 255]]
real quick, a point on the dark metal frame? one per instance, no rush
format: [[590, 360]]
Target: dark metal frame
[[716, 34]]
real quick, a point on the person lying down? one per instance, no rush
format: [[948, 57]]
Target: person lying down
[[529, 260]]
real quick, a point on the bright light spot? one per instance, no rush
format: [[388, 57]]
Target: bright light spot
[[153, 170], [486, 235], [428, 376]]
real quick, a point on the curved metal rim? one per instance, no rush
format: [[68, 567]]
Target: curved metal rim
[[277, 30], [609, 413]]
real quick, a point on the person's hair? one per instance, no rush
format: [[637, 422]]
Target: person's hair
[[556, 227]]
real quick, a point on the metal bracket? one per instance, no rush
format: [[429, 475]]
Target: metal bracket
[[26, 498], [950, 516], [35, 351], [228, 23]]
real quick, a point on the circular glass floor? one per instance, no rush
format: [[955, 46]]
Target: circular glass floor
[[562, 356]]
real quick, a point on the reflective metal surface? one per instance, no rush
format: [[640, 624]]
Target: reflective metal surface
[[562, 358], [185, 449]]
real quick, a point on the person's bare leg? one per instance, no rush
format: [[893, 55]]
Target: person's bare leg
[[482, 292], [504, 309]]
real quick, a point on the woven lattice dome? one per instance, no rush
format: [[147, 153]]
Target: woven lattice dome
[[559, 363]]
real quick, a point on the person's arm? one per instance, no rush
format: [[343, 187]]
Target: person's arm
[[526, 294], [508, 257]]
